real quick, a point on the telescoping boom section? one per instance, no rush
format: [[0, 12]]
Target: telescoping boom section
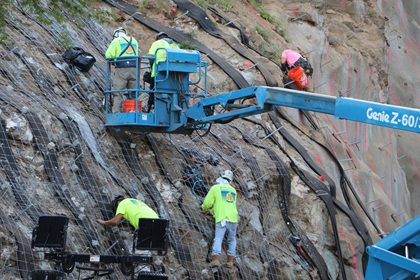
[[344, 108], [182, 106]]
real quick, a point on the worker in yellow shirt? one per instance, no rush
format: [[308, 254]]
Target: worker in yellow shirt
[[124, 73], [221, 202], [130, 209], [157, 49]]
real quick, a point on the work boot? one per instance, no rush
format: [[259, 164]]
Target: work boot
[[230, 261], [215, 261]]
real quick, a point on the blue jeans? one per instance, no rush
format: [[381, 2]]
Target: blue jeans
[[231, 238]]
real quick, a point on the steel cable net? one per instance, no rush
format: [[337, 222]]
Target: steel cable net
[[57, 159]]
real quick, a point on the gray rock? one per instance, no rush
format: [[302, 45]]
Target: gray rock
[[255, 266], [51, 146], [203, 243], [234, 61], [205, 274], [255, 220], [17, 127], [249, 77], [144, 180], [74, 168], [63, 116]]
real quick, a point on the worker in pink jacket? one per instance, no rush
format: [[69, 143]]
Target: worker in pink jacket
[[291, 59]]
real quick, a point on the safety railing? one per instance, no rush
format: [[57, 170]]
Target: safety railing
[[141, 62]]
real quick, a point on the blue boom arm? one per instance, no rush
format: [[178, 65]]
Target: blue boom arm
[[177, 109], [344, 108]]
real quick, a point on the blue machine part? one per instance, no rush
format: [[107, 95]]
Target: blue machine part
[[345, 108], [171, 94], [179, 110], [378, 114], [397, 255]]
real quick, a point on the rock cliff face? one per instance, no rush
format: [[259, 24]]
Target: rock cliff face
[[333, 184]]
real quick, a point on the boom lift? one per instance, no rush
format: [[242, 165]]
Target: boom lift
[[177, 109]]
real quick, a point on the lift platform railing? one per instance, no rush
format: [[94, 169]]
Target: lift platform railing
[[172, 94], [173, 62], [109, 92]]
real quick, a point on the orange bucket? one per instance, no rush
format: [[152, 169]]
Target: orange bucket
[[129, 105], [298, 76]]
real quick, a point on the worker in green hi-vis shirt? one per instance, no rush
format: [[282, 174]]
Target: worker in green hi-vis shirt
[[130, 209], [221, 202], [124, 72], [157, 50]]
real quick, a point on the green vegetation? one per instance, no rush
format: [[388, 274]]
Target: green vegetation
[[53, 8], [152, 5], [226, 5], [65, 39], [263, 32], [277, 53], [143, 6], [268, 48], [265, 15], [268, 17], [192, 33], [3, 13], [372, 12], [272, 50], [187, 45], [104, 16]]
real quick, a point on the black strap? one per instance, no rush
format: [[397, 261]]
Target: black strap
[[302, 62], [323, 193], [129, 45]]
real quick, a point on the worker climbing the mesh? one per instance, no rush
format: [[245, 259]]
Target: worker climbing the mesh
[[124, 72], [296, 69], [157, 49], [130, 209], [221, 202]]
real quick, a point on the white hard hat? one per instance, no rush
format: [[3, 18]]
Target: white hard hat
[[119, 31], [228, 175]]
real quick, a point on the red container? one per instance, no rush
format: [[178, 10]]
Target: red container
[[298, 76], [129, 105]]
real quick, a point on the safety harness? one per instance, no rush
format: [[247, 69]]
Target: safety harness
[[302, 62], [127, 63]]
